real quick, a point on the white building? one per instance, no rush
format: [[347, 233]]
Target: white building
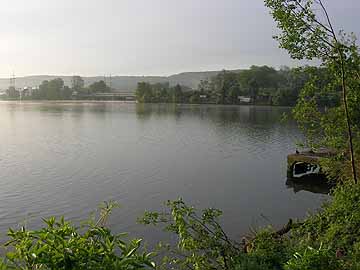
[[244, 99]]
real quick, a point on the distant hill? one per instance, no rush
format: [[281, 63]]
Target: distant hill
[[119, 83]]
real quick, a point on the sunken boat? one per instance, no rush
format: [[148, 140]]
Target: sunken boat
[[306, 165]]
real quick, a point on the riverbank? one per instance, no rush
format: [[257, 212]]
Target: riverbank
[[134, 101], [327, 240], [71, 101]]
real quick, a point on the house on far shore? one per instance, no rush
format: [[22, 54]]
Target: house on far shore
[[245, 99], [25, 92], [28, 91]]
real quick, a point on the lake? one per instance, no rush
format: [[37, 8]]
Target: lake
[[66, 158]]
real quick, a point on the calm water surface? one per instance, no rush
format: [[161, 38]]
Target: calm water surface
[[66, 158]]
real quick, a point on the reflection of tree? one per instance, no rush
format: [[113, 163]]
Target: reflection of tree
[[52, 108], [61, 109], [144, 111], [256, 122]]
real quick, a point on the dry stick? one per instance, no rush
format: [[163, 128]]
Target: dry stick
[[343, 85]]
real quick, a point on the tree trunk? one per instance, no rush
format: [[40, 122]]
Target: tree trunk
[[347, 116]]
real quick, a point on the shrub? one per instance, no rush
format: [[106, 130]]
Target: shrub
[[270, 249], [202, 243], [311, 259], [61, 245]]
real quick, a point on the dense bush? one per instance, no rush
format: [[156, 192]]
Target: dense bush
[[61, 245], [319, 259]]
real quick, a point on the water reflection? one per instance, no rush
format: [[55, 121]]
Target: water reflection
[[311, 185], [255, 116], [65, 158]]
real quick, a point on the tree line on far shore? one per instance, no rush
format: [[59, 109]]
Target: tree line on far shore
[[257, 85], [57, 90]]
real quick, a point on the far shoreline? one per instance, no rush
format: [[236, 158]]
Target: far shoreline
[[83, 101]]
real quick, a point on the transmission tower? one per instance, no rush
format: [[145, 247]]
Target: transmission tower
[[12, 80]]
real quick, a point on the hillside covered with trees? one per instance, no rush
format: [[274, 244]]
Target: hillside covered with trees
[[259, 84]]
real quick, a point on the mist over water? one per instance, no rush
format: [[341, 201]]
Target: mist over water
[[66, 158]]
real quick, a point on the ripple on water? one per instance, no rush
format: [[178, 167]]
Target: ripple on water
[[64, 159]]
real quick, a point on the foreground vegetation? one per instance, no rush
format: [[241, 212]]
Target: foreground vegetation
[[61, 245], [328, 240]]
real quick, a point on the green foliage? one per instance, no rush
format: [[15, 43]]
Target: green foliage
[[4, 266], [265, 251], [328, 240], [61, 245], [252, 262], [305, 34], [77, 83], [202, 243], [56, 90], [264, 85], [11, 92], [270, 249], [99, 86], [177, 94], [338, 224], [301, 36], [52, 90], [161, 93], [333, 233], [319, 259]]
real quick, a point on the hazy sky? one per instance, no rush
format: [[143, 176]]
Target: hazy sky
[[143, 37]]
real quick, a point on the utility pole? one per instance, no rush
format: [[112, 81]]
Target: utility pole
[[12, 80], [13, 85], [110, 78]]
